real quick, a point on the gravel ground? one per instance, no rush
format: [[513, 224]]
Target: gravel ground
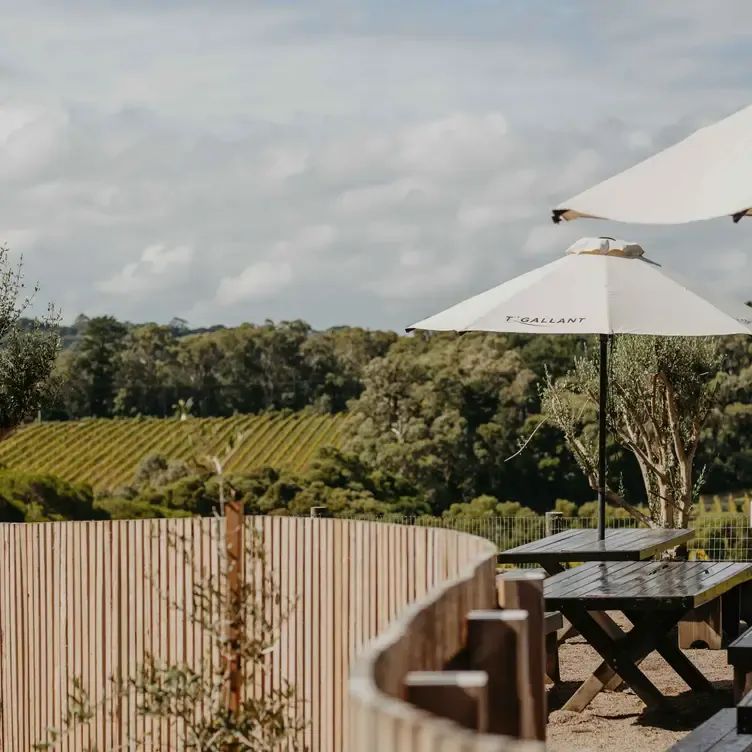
[[617, 720]]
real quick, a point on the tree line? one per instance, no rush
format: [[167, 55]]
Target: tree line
[[112, 369], [440, 420]]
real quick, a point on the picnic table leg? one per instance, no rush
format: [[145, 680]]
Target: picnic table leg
[[604, 677], [675, 658], [683, 666], [621, 655], [672, 654]]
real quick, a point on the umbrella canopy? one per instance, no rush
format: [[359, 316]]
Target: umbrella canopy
[[707, 175], [600, 286]]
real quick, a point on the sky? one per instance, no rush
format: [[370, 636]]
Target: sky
[[363, 162]]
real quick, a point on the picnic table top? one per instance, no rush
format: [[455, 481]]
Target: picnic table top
[[643, 585], [625, 544]]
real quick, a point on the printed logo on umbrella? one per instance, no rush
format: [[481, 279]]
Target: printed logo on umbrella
[[545, 321]]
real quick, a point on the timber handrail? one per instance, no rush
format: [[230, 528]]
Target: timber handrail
[[437, 654]]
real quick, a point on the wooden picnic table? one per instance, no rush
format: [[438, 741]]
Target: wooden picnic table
[[654, 596], [625, 544]]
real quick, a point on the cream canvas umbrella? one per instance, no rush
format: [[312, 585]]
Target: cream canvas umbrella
[[707, 175], [600, 286]]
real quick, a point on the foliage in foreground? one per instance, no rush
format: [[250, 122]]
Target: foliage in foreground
[[28, 350]]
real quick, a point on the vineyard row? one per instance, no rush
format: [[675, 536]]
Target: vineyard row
[[107, 453]]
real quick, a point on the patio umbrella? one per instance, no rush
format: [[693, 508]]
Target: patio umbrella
[[707, 175], [601, 286]]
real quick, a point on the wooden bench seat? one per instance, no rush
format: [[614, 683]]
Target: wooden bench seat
[[729, 730], [719, 734], [740, 657], [717, 622]]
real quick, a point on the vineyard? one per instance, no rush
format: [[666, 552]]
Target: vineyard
[[106, 453]]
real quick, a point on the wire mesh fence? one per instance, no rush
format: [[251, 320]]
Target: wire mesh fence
[[726, 537]]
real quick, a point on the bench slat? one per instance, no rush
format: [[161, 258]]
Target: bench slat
[[717, 734]]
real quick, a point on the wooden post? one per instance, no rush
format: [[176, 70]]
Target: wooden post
[[497, 643], [460, 696], [235, 557], [523, 589], [553, 522]]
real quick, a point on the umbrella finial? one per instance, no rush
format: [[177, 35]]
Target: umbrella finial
[[605, 246]]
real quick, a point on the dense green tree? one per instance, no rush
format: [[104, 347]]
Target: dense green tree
[[145, 367], [446, 412], [97, 363]]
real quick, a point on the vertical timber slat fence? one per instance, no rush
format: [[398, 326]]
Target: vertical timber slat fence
[[90, 599]]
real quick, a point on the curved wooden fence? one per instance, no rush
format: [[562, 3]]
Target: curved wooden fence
[[435, 645], [90, 599]]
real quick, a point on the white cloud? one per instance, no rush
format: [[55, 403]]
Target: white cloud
[[29, 139], [159, 267], [284, 162], [381, 196], [260, 280], [730, 262], [544, 240], [463, 141], [20, 239], [338, 164]]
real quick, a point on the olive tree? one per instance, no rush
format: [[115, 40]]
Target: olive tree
[[28, 349], [662, 391]]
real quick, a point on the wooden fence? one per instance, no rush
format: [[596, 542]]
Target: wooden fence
[[477, 668], [89, 599]]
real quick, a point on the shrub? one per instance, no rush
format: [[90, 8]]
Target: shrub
[[26, 497]]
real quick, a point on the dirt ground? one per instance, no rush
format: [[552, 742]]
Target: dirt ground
[[617, 721]]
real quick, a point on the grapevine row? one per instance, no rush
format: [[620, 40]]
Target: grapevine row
[[106, 453]]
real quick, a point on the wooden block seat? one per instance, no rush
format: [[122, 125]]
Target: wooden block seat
[[553, 622], [740, 657]]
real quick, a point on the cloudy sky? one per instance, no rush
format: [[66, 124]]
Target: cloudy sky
[[342, 161]]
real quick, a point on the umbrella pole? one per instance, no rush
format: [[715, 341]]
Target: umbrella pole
[[602, 396]]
